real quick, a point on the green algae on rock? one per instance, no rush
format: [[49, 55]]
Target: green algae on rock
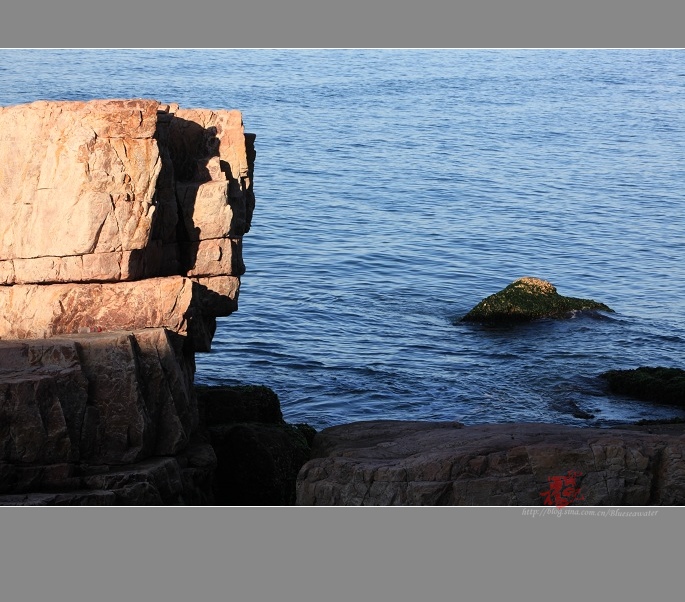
[[657, 384], [529, 299]]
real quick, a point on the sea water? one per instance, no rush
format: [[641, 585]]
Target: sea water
[[397, 188]]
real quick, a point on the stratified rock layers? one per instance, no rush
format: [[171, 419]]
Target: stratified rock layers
[[121, 228], [182, 305], [75, 407], [121, 214], [108, 398], [113, 190]]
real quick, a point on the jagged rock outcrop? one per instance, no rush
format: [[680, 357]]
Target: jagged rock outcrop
[[99, 194], [120, 244], [445, 463], [529, 299], [113, 191]]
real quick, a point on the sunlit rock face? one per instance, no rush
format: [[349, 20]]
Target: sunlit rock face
[[121, 228], [112, 190]]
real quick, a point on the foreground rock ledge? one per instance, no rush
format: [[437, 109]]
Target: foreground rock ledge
[[529, 299], [397, 463]]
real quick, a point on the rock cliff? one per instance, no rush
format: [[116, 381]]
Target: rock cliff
[[120, 244]]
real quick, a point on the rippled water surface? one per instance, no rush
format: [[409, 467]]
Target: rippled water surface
[[396, 189]]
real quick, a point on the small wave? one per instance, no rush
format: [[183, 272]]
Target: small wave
[[592, 314]]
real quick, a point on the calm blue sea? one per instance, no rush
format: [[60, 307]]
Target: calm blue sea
[[397, 188]]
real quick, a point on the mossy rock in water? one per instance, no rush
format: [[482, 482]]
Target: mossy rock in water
[[529, 299], [657, 384]]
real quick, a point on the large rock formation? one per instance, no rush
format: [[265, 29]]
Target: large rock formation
[[120, 244], [111, 191], [445, 463]]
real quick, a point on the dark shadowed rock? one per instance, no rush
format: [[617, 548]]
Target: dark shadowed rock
[[242, 403], [182, 479], [529, 299], [657, 384], [258, 453], [257, 463], [442, 463], [101, 398], [110, 412], [69, 498]]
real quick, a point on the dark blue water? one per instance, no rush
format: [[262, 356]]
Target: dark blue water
[[396, 189]]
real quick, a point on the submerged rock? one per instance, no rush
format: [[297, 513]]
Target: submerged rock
[[529, 299], [657, 384]]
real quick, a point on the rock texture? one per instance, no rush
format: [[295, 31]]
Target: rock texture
[[121, 214], [529, 299], [121, 228], [184, 306], [72, 408], [184, 479], [112, 190], [437, 463]]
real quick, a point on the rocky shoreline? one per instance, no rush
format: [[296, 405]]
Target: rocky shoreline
[[243, 453], [447, 463], [121, 243], [424, 463]]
